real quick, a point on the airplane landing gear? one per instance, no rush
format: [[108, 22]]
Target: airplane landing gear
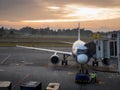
[[64, 61], [94, 63]]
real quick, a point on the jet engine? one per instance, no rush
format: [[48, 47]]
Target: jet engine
[[54, 59]]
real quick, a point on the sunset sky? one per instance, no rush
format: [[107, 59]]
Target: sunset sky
[[97, 15]]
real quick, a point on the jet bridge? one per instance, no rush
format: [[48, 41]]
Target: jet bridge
[[108, 47], [102, 49]]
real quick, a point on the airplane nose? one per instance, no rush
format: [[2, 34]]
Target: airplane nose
[[82, 58]]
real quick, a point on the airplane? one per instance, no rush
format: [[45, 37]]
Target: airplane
[[81, 51]]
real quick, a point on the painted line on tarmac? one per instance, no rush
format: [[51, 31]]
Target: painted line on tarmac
[[5, 59], [20, 81]]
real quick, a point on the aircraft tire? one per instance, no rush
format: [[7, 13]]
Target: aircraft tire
[[93, 63], [97, 63], [66, 63], [62, 63]]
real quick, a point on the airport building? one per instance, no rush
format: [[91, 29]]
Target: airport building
[[108, 47]]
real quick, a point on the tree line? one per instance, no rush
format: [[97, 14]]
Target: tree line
[[5, 32]]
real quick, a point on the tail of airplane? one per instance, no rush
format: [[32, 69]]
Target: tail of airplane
[[78, 31]]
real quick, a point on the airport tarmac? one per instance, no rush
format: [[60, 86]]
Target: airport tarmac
[[19, 65]]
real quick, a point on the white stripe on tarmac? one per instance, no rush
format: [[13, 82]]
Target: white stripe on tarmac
[[5, 59], [19, 82]]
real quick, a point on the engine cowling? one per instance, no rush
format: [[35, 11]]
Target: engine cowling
[[54, 59]]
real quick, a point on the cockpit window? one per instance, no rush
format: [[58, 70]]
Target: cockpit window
[[81, 51]]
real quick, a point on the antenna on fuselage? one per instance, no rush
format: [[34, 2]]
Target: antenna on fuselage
[[79, 31]]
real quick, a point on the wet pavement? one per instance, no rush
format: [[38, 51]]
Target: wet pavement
[[19, 65]]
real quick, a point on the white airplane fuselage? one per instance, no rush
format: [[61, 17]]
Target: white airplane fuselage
[[79, 51]]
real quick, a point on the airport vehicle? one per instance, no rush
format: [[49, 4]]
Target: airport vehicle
[[82, 78], [81, 51]]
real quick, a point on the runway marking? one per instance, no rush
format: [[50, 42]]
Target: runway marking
[[19, 82], [5, 59]]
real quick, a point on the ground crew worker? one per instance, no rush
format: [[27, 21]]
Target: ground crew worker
[[93, 77]]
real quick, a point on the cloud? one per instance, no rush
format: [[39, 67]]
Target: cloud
[[97, 3], [16, 10]]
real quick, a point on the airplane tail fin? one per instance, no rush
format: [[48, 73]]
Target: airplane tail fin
[[78, 31]]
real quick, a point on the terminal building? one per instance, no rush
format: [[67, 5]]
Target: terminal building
[[108, 47]]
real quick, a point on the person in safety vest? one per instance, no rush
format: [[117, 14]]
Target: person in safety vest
[[93, 77]]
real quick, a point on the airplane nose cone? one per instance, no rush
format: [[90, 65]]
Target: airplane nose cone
[[82, 58]]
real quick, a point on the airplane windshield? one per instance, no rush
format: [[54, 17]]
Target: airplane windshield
[[81, 51]]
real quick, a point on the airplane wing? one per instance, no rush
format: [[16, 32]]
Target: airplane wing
[[48, 50], [66, 42]]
